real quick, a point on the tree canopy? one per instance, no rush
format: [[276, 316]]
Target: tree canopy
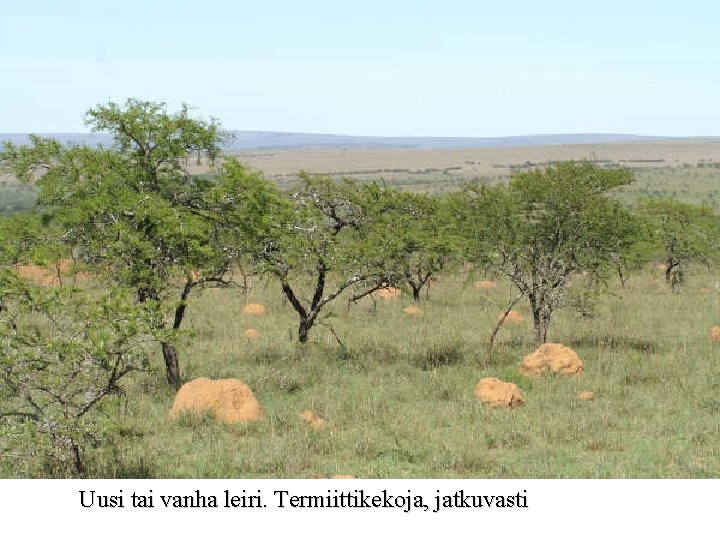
[[136, 213], [546, 225]]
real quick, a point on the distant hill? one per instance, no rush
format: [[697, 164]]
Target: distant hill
[[276, 140]]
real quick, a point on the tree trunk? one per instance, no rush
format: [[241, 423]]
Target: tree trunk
[[500, 321], [416, 292], [541, 320], [669, 267], [172, 363], [304, 329]]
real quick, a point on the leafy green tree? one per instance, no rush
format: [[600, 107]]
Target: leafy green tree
[[682, 234], [547, 225], [136, 213], [63, 354], [411, 228], [322, 246]]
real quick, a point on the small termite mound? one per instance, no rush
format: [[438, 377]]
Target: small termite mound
[[715, 334], [312, 419], [412, 310], [254, 309], [252, 333], [485, 285], [551, 358], [387, 293], [496, 393], [514, 317], [229, 400]]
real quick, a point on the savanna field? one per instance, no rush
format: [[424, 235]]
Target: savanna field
[[397, 396], [126, 273]]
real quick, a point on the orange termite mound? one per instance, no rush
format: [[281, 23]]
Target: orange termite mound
[[230, 400], [251, 333], [715, 334], [586, 395], [387, 293], [412, 310], [485, 285], [514, 317], [497, 393], [551, 358], [312, 419], [51, 275], [254, 309]]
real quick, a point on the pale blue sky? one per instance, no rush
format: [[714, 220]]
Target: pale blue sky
[[436, 68]]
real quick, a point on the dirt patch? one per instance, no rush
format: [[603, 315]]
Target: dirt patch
[[230, 400], [551, 358], [312, 419], [254, 309], [412, 310], [715, 334], [251, 333], [586, 395], [485, 285], [497, 393], [387, 293]]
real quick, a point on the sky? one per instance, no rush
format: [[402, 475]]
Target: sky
[[387, 68]]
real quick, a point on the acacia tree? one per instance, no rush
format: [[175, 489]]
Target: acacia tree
[[63, 354], [135, 212], [682, 233], [547, 225], [322, 246], [412, 230]]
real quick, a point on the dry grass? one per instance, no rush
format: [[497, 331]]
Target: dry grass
[[471, 162], [400, 394]]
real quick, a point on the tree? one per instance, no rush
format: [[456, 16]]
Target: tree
[[545, 226], [136, 213], [411, 228], [682, 233], [63, 354], [323, 239]]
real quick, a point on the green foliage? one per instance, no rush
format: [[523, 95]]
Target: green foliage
[[27, 237], [547, 225], [412, 231], [335, 236], [136, 214], [681, 233], [62, 357]]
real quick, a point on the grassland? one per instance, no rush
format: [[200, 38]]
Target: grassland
[[398, 398], [686, 169], [398, 394]]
